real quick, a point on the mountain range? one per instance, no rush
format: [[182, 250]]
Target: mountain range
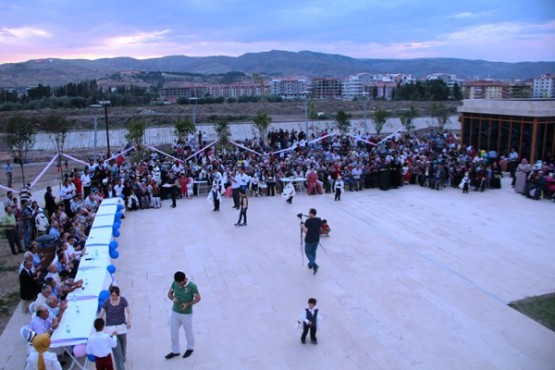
[[55, 72]]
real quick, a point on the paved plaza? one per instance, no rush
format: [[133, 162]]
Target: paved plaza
[[409, 279]]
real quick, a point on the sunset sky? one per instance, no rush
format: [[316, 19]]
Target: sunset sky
[[495, 30]]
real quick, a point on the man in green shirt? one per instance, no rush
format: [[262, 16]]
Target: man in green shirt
[[184, 294], [9, 226]]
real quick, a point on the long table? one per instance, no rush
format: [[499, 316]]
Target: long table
[[77, 322]]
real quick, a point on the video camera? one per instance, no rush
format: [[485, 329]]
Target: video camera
[[300, 216]]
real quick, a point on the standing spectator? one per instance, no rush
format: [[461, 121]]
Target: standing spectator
[[184, 294], [311, 228], [513, 158], [67, 193], [9, 171], [28, 287], [10, 200], [243, 206], [117, 312], [25, 193], [41, 359], [215, 196], [100, 345], [28, 222], [338, 187], [49, 201], [86, 182], [9, 225], [172, 185], [309, 319]]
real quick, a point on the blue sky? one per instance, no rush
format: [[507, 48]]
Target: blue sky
[[495, 30]]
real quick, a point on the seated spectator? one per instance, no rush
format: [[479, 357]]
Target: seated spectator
[[56, 308], [41, 359], [325, 228], [53, 284], [42, 322], [43, 296]]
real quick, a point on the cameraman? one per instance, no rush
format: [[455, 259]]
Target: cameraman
[[311, 228]]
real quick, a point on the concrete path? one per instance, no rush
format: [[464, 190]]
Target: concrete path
[[409, 279]]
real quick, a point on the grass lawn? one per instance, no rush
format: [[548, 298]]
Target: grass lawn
[[540, 309]]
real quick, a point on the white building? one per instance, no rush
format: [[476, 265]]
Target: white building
[[448, 78], [544, 87], [289, 88]]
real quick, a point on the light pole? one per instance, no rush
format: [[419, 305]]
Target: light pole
[[365, 97], [95, 129], [193, 101], [105, 104], [306, 113]]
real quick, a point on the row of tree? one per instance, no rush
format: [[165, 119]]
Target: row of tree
[[430, 90]]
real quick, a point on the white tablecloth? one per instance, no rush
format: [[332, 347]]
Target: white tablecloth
[[77, 321]]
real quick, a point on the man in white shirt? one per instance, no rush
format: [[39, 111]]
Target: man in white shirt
[[67, 192], [86, 181]]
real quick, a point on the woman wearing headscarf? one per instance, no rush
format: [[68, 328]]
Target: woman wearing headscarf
[[42, 359]]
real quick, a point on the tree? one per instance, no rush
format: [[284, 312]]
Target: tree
[[441, 113], [380, 117], [20, 137], [262, 121], [343, 121], [135, 133], [408, 116], [56, 127], [182, 128], [457, 93], [222, 129]]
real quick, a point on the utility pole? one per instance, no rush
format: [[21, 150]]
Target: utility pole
[[105, 104]]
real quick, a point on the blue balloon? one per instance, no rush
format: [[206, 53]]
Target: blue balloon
[[116, 233], [113, 244], [118, 216], [120, 207], [122, 196], [114, 254], [116, 226], [103, 295], [91, 358], [111, 268]]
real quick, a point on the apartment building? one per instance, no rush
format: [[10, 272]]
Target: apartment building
[[448, 78], [289, 88], [544, 86], [326, 88]]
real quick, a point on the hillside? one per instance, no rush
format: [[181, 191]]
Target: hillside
[[55, 72]]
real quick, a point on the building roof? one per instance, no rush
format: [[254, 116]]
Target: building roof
[[510, 107]]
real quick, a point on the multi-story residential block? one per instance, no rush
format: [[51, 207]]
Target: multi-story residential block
[[484, 90], [216, 91], [448, 78], [289, 88], [326, 88], [497, 90], [544, 86]]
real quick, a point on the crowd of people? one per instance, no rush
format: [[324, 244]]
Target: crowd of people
[[283, 161]]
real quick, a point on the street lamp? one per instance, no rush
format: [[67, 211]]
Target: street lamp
[[95, 129], [365, 98], [194, 103], [105, 104], [306, 112]]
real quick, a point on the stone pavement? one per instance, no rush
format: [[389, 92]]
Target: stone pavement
[[409, 279]]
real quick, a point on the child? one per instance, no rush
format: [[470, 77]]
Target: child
[[465, 183], [325, 228], [215, 196], [289, 192], [100, 345], [309, 319]]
